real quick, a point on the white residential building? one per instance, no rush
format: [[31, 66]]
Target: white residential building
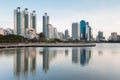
[[30, 33]]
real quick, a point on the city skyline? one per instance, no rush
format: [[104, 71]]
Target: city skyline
[[102, 15]]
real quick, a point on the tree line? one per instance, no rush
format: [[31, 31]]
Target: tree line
[[41, 39]]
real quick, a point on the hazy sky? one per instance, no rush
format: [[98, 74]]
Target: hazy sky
[[102, 15]]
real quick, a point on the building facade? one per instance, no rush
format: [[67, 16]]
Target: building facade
[[17, 21], [114, 36], [8, 31], [83, 29], [67, 34], [75, 31], [45, 25], [61, 35], [25, 21], [33, 22], [50, 31], [21, 21], [100, 36], [90, 34], [30, 33], [87, 34], [56, 35]]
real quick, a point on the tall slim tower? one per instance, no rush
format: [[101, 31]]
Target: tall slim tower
[[87, 34], [83, 29], [45, 25], [25, 21], [33, 20], [21, 21], [66, 34], [17, 21]]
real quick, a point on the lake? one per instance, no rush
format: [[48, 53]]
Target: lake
[[101, 62]]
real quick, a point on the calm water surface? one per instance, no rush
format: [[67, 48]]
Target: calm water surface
[[71, 63]]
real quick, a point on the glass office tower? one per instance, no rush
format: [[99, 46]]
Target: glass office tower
[[25, 21], [26, 18], [33, 20], [75, 31], [17, 21], [82, 29], [21, 21], [87, 31], [90, 33], [45, 25]]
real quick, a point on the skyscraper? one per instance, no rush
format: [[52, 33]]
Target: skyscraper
[[114, 36], [33, 20], [25, 21], [83, 29], [50, 31], [56, 35], [87, 31], [66, 34], [61, 35], [21, 21], [45, 25], [100, 36], [17, 21], [91, 35], [75, 31]]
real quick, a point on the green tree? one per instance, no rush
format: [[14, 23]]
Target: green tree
[[41, 35]]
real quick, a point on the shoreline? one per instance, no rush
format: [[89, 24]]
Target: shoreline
[[47, 45]]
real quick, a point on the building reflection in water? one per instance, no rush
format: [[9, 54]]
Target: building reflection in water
[[81, 55], [100, 52], [7, 52], [45, 59], [22, 59], [76, 55], [66, 52], [48, 55]]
